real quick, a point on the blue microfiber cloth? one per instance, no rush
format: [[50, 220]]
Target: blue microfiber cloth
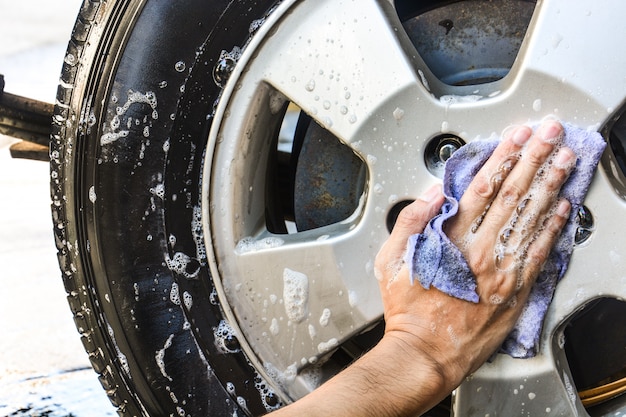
[[435, 261]]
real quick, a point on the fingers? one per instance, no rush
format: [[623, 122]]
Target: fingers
[[540, 248], [510, 218], [414, 217], [515, 175], [531, 178], [487, 182]]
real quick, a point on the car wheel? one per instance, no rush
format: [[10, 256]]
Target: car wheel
[[223, 174]]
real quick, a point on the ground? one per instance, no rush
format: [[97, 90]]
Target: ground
[[44, 370]]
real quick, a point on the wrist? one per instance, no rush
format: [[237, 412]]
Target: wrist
[[410, 378]]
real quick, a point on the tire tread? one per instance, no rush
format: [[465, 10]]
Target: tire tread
[[77, 296]]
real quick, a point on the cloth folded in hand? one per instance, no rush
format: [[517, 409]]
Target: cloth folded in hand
[[434, 260]]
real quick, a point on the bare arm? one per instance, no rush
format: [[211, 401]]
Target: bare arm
[[432, 341]]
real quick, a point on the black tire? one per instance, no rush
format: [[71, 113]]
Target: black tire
[[115, 209]]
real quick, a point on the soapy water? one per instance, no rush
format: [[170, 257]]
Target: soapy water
[[160, 357], [283, 378], [274, 327], [295, 294], [120, 356], [174, 294], [512, 244], [325, 317], [134, 97], [327, 346], [268, 396], [226, 338], [569, 388], [198, 234], [180, 263], [249, 244], [225, 66]]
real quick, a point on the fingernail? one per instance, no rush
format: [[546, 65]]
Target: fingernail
[[563, 208], [521, 135], [430, 194], [550, 132], [565, 159]]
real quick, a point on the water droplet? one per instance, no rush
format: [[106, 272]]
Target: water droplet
[[222, 71], [225, 66], [506, 235], [537, 105], [92, 194], [522, 206], [180, 66], [310, 86], [274, 328]]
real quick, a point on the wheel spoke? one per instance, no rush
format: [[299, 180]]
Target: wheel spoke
[[531, 387], [565, 73], [339, 62], [299, 296]]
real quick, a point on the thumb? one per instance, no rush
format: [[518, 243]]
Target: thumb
[[414, 218]]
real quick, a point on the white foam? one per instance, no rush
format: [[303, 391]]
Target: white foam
[[274, 327], [187, 300], [266, 393], [92, 194], [178, 264], [120, 356], [174, 294], [295, 294], [134, 97], [160, 357], [325, 317], [249, 244], [221, 333], [324, 347]]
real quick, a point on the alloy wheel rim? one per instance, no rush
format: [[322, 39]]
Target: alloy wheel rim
[[322, 291]]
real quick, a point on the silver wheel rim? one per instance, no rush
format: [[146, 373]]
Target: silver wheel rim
[[294, 298]]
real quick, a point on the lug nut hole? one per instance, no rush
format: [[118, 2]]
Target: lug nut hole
[[439, 150], [584, 218], [393, 214]]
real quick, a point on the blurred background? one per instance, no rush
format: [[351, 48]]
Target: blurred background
[[44, 370]]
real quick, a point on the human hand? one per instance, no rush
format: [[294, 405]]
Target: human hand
[[508, 221]]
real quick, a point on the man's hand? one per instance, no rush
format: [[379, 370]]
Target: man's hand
[[508, 221], [432, 340]]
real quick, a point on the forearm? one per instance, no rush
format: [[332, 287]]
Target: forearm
[[389, 380]]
